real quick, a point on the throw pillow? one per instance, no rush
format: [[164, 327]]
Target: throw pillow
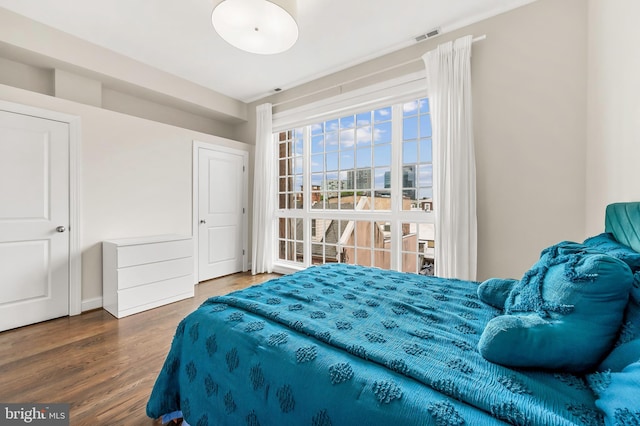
[[564, 314]]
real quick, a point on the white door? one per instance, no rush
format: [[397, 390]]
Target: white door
[[34, 217], [221, 210]]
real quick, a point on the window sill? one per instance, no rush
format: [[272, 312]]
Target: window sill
[[286, 268]]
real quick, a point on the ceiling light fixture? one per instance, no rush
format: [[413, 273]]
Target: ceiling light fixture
[[257, 26]]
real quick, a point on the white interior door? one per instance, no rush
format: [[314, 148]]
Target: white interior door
[[221, 210], [34, 217]]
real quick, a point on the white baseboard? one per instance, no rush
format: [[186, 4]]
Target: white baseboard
[[90, 304]]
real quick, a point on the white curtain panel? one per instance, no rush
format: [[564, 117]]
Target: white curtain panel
[[264, 193], [454, 169]]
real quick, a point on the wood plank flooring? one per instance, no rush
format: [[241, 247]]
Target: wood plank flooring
[[104, 367]]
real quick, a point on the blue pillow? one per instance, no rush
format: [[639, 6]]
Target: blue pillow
[[627, 348], [619, 395], [564, 314], [495, 291], [606, 243]]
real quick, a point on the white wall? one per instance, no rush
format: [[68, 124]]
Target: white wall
[[135, 176], [26, 77], [613, 150], [33, 43], [529, 79], [530, 97], [75, 87]]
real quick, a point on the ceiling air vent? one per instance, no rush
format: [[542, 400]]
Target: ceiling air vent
[[434, 32]]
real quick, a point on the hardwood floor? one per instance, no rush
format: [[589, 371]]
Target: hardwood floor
[[103, 367]]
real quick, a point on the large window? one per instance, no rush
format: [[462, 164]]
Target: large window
[[358, 189]]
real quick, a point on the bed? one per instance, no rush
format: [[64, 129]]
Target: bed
[[342, 344]]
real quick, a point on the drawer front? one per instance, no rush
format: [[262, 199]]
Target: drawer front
[[154, 252], [154, 272], [154, 292]]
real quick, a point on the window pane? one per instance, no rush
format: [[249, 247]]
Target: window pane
[[347, 139], [410, 152], [331, 252], [363, 119], [362, 233], [418, 248], [297, 197], [346, 160], [382, 133], [425, 175], [332, 189], [282, 223], [363, 136], [347, 200], [332, 161], [331, 126], [332, 203], [409, 176], [424, 106], [283, 184], [382, 155], [297, 148], [363, 158], [410, 128], [382, 259], [425, 151], [291, 251], [425, 126], [317, 254], [359, 178], [299, 252], [410, 108], [317, 163], [331, 141], [317, 180], [425, 196], [382, 114], [417, 155], [347, 122], [317, 128], [317, 144], [298, 165], [363, 257], [346, 180], [382, 179], [316, 199], [283, 149], [283, 167]]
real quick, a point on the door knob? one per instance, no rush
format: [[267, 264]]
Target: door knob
[[61, 229], [202, 221]]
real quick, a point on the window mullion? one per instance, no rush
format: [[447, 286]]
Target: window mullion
[[306, 195], [396, 187]]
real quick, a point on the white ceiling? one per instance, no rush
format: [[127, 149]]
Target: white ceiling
[[176, 36]]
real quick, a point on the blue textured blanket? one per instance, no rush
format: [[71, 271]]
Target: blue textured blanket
[[342, 344]]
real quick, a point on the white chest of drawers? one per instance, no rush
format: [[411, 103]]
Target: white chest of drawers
[[144, 273]]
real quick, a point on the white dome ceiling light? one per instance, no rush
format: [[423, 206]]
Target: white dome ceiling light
[[257, 26]]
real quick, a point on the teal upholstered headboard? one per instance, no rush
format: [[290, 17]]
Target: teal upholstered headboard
[[623, 221]]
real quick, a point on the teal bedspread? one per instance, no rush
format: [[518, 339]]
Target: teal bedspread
[[346, 345]]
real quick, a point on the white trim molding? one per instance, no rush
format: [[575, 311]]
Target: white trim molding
[[91, 304]]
